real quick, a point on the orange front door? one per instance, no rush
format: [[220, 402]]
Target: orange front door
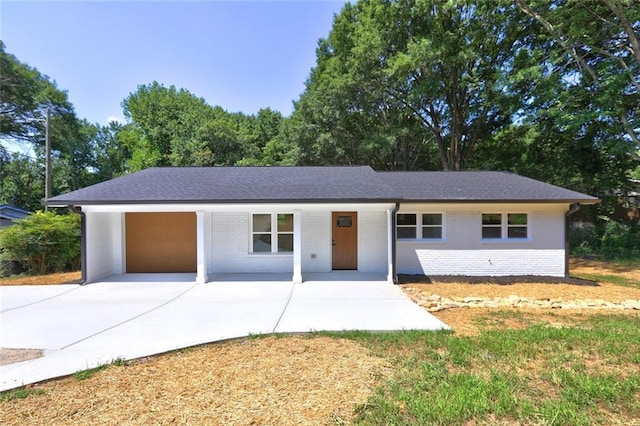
[[345, 240]]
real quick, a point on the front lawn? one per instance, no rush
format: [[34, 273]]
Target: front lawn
[[500, 366]]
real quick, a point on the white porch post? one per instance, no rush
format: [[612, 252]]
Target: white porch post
[[390, 245], [201, 268], [297, 247]]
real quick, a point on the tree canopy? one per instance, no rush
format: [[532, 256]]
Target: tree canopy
[[547, 89]]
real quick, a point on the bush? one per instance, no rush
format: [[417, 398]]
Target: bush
[[43, 242], [621, 240], [607, 239]]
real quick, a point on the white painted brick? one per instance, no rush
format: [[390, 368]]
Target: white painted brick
[[316, 240], [372, 241], [464, 253], [230, 248], [104, 245]]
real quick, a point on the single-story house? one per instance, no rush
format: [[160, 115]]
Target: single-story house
[[9, 214], [303, 220]]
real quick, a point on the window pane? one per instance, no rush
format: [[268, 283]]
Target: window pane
[[261, 223], [262, 243], [517, 218], [285, 243], [432, 232], [432, 219], [491, 219], [491, 232], [406, 232], [285, 223], [406, 219], [517, 232], [344, 221]]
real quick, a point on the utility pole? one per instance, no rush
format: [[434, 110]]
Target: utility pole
[[47, 164]]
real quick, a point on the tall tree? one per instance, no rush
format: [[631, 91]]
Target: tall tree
[[417, 67]]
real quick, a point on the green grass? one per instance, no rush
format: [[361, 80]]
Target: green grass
[[85, 374], [539, 375], [19, 393], [610, 278]]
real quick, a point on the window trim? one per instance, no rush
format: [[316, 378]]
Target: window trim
[[419, 227], [504, 227], [274, 234]]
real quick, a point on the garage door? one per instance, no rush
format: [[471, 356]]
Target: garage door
[[161, 242]]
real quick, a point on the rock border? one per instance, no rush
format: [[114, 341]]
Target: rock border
[[437, 303]]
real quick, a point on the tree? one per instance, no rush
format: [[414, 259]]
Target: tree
[[24, 98], [420, 69]]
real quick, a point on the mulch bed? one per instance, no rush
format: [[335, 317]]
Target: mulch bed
[[506, 280], [268, 381]]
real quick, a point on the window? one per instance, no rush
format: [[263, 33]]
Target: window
[[516, 225], [491, 225], [406, 225], [432, 226], [494, 226], [421, 226], [272, 233]]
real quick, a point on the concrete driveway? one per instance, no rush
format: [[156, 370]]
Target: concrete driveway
[[81, 327]]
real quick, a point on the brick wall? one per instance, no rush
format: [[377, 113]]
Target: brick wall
[[463, 252]]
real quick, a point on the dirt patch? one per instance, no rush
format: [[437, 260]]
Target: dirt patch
[[270, 381], [10, 356], [50, 279]]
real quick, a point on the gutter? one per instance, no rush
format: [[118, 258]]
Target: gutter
[[83, 242], [394, 272], [574, 208]]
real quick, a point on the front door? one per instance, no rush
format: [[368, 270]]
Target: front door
[[345, 240]]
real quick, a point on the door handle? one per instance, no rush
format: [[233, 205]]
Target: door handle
[[333, 242]]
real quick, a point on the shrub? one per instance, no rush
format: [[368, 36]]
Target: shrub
[[621, 240], [43, 242]]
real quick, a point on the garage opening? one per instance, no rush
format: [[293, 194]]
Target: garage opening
[[161, 242]]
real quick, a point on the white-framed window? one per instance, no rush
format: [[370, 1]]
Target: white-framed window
[[271, 233], [509, 226], [406, 225], [419, 226]]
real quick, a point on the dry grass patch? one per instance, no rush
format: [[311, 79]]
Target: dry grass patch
[[50, 279], [9, 356], [269, 381]]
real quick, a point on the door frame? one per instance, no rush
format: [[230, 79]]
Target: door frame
[[353, 264]]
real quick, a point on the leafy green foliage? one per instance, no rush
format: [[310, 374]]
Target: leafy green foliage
[[44, 242]]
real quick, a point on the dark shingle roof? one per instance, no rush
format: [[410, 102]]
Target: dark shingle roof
[[477, 186], [314, 184], [235, 185]]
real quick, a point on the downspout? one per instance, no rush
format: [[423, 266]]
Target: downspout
[[393, 243], [574, 208], [83, 242]]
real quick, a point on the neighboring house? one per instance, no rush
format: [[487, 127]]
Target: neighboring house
[[9, 214], [302, 220]]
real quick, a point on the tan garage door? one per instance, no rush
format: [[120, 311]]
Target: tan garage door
[[161, 242]]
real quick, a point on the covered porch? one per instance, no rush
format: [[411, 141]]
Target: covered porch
[[231, 243]]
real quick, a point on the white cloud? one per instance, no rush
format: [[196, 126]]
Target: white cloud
[[114, 118]]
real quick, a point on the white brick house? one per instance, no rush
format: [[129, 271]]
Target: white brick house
[[305, 220]]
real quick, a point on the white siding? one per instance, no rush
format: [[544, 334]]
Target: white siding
[[463, 252], [372, 241], [104, 240], [316, 241]]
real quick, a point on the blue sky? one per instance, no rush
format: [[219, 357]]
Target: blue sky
[[241, 55]]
